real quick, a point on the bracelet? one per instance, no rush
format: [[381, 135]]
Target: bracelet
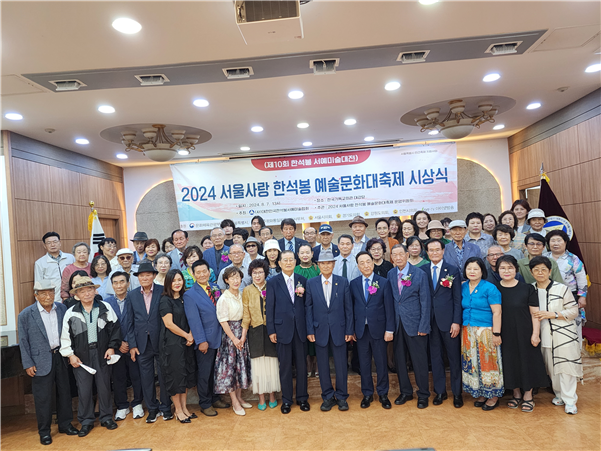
[[556, 315], [497, 334]]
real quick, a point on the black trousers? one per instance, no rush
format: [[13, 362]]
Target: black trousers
[[85, 382], [42, 387], [368, 347], [440, 340], [206, 378], [418, 351], [323, 364], [295, 351], [146, 361], [121, 370]]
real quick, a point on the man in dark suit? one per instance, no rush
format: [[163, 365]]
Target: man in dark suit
[[40, 328], [286, 326], [412, 307], [445, 293], [217, 256], [329, 311], [326, 233], [199, 303], [289, 242], [125, 369], [374, 326], [143, 329]]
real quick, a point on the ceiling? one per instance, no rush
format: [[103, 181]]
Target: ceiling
[[43, 37]]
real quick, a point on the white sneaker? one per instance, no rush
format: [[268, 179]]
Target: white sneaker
[[571, 409], [138, 412], [557, 401], [121, 414]]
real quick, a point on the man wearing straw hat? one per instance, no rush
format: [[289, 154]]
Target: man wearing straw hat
[[90, 336]]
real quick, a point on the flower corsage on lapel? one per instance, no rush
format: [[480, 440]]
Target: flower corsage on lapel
[[447, 281], [300, 290], [263, 293], [225, 256], [216, 292], [406, 280], [373, 288]]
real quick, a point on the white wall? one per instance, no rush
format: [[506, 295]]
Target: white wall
[[493, 154]]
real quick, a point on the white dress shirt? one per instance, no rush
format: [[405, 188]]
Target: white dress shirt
[[438, 267], [50, 320], [327, 288]]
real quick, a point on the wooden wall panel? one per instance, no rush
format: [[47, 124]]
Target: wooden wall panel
[[31, 180], [26, 297], [71, 220], [65, 186], [33, 219], [566, 184], [592, 258], [589, 139], [591, 218], [29, 252], [591, 180], [561, 150]]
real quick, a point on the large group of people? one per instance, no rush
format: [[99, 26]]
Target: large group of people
[[502, 298]]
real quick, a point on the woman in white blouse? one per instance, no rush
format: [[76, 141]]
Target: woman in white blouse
[[232, 363]]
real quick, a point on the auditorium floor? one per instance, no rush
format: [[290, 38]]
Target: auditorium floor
[[440, 427]]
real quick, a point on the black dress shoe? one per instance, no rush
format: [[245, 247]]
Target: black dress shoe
[[402, 399], [488, 407], [342, 405], [327, 405], [304, 405], [458, 401], [479, 403], [422, 403], [109, 424], [285, 408], [366, 401], [385, 402], [71, 430], [438, 399], [45, 440], [85, 430]]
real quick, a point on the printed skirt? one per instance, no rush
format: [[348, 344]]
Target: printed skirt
[[481, 363], [232, 365]]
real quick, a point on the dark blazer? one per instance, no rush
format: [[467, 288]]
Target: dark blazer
[[202, 316], [446, 302], [282, 314], [469, 250], [33, 339], [141, 324], [216, 266], [322, 320], [298, 242], [414, 305], [379, 309], [317, 251], [123, 317]]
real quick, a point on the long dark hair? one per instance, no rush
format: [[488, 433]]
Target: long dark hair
[[261, 221], [167, 289], [93, 272]]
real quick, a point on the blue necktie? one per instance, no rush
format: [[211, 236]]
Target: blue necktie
[[290, 246], [366, 289], [434, 277]]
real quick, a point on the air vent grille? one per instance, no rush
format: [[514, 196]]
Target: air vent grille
[[152, 80], [259, 11], [503, 48], [67, 85], [413, 57], [233, 73], [325, 66]]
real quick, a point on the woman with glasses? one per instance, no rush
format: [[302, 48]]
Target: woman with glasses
[[81, 252], [162, 264], [108, 248], [99, 271], [535, 243]]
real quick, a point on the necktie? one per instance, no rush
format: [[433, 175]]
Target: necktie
[[291, 289], [400, 282], [181, 259], [210, 293], [290, 246], [434, 276], [344, 267], [326, 292], [366, 289]]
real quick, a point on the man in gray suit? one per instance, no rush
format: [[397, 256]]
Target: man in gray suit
[[40, 325], [180, 241]]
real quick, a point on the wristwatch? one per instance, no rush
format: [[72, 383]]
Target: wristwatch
[[497, 334], [556, 315]]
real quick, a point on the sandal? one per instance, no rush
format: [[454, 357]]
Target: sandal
[[528, 406], [514, 403]]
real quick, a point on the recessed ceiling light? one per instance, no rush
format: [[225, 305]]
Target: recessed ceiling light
[[368, 138], [593, 68], [183, 152], [13, 116], [244, 148], [302, 125], [433, 132], [533, 106], [491, 77], [307, 143], [121, 156], [295, 95], [256, 129], [106, 109], [428, 2], [201, 103], [499, 127], [392, 86], [82, 141], [127, 26], [350, 122]]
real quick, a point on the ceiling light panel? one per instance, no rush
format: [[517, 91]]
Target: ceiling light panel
[[533, 106], [106, 109], [256, 129], [392, 86], [13, 116], [295, 95], [126, 26], [491, 77]]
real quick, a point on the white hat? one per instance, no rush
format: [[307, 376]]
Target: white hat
[[125, 250], [535, 213], [271, 244], [457, 223]]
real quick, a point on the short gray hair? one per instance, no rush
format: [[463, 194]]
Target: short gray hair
[[238, 245], [162, 255], [81, 243], [216, 228]]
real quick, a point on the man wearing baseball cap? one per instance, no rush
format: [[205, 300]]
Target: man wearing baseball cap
[[459, 250], [326, 234]]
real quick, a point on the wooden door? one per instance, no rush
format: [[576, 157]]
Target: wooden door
[[111, 228]]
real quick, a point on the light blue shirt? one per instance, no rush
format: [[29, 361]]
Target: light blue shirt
[[352, 271], [476, 305]]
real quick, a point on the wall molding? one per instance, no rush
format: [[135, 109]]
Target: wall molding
[[579, 111]]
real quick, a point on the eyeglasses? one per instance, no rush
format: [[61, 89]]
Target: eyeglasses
[[250, 245], [535, 244], [494, 255], [52, 242], [237, 253], [125, 257], [258, 273]]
